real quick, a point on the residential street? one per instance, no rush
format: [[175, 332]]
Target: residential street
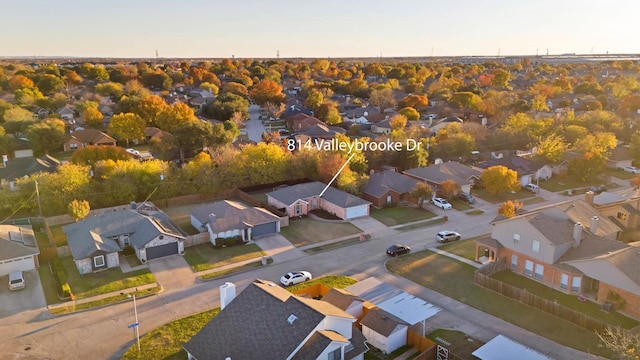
[[103, 333], [254, 126]]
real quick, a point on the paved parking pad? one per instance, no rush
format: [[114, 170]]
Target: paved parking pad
[[29, 298]]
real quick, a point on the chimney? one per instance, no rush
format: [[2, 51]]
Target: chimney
[[594, 225], [577, 233], [133, 205], [227, 293], [212, 217], [588, 197]]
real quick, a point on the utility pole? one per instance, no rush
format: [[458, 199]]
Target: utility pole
[[38, 197]]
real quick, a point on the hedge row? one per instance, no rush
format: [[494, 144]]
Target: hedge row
[[61, 277]]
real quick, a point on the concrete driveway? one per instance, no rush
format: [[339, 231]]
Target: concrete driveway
[[29, 298], [172, 272], [254, 127], [279, 248]]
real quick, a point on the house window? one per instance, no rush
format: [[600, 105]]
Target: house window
[[621, 216], [514, 261], [564, 281], [298, 209], [98, 261], [73, 146], [528, 267], [539, 271], [516, 238], [535, 246], [575, 283], [335, 354], [388, 199]]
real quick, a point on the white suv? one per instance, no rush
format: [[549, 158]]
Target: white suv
[[631, 169], [441, 203], [532, 187], [16, 280], [447, 235]]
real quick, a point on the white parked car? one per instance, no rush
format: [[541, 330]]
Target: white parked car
[[447, 235], [532, 187], [441, 203], [631, 169], [295, 277], [16, 280]]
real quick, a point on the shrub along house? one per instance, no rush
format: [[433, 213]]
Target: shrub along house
[[96, 241], [228, 219], [553, 247]]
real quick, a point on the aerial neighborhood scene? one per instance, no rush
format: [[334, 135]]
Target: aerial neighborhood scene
[[319, 180]]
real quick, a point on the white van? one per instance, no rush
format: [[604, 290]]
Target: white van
[[532, 187], [16, 280]]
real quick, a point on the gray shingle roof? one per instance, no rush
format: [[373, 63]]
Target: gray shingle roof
[[444, 171], [231, 215], [316, 344], [381, 182], [16, 242], [340, 298], [381, 321], [96, 233], [291, 194], [21, 167], [255, 326]]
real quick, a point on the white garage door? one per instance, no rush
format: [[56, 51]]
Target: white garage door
[[526, 179], [21, 264], [357, 211]]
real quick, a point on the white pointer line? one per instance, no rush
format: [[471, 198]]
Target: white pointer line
[[336, 175]]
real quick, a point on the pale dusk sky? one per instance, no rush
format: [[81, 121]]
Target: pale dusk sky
[[312, 28]]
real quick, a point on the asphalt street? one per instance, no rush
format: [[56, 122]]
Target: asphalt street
[[103, 334]]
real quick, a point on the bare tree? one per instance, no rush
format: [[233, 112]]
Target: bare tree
[[625, 344]]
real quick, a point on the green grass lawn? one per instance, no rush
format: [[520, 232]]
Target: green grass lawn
[[307, 231], [48, 284], [333, 245], [455, 279], [533, 200], [400, 215], [234, 270], [560, 183], [460, 205], [103, 282], [586, 307], [475, 212], [500, 198], [165, 342], [461, 344], [205, 256], [106, 301], [181, 215], [620, 174], [421, 224], [59, 237], [465, 248]]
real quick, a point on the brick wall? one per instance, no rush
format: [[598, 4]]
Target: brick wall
[[632, 305]]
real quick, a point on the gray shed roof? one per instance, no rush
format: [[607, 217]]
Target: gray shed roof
[[381, 321], [16, 242], [96, 233], [255, 325], [231, 215], [381, 182], [291, 194], [504, 348]]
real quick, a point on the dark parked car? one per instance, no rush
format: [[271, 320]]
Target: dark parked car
[[598, 188], [466, 198], [398, 249]]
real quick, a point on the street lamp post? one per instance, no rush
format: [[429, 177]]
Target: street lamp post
[[135, 325]]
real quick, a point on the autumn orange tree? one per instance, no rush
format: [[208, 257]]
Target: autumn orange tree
[[498, 179], [414, 101], [422, 191], [510, 208], [449, 188], [92, 117], [127, 127], [267, 91]]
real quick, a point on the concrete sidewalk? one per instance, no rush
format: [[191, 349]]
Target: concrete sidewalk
[[456, 257]]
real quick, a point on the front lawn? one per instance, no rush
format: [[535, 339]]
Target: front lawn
[[333, 281], [620, 174], [460, 205], [113, 279], [48, 284], [500, 198], [204, 256], [560, 183], [465, 248], [400, 215], [181, 215], [455, 279], [166, 341], [586, 307], [307, 231]]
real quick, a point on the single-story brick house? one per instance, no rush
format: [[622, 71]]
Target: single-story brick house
[[300, 199], [388, 188], [83, 138], [224, 219], [436, 174]]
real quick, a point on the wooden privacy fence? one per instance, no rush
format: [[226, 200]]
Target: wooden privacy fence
[[525, 297]]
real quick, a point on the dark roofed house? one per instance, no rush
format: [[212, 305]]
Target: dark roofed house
[[225, 219], [14, 169], [153, 133], [301, 121], [96, 241], [619, 158], [279, 325], [83, 138], [436, 174], [383, 330], [528, 170], [388, 187], [322, 131], [300, 199]]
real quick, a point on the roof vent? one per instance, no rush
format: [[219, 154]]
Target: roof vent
[[291, 319]]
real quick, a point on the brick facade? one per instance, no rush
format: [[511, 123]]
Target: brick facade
[[632, 301]]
